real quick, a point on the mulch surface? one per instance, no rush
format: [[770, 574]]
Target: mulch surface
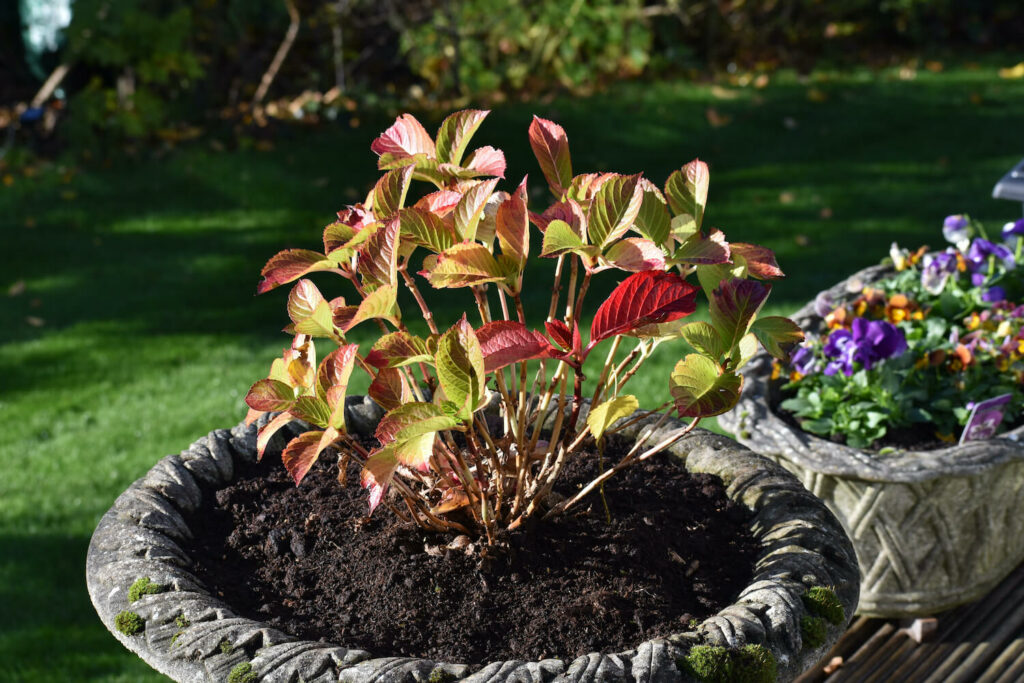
[[307, 560]]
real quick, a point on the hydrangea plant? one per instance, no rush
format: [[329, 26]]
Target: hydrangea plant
[[438, 460], [923, 346]]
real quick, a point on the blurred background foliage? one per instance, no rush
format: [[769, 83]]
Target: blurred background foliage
[[143, 68]]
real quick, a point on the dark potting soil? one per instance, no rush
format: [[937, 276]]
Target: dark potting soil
[[307, 560]]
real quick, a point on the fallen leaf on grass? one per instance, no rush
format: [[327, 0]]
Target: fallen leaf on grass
[[816, 95], [8, 179], [786, 197], [34, 321], [715, 119], [16, 289], [1013, 71], [826, 212], [718, 92], [802, 240]]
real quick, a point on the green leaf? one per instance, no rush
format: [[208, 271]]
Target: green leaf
[[560, 238], [309, 311], [460, 368], [687, 190], [711, 276], [471, 207], [455, 133], [733, 307], [425, 229], [312, 409], [332, 378], [652, 221], [603, 416], [413, 420], [700, 388], [398, 349], [380, 303], [704, 339], [744, 351], [614, 209], [777, 335], [700, 250], [390, 191], [270, 394], [463, 265]]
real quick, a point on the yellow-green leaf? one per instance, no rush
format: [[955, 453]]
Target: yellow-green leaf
[[603, 416]]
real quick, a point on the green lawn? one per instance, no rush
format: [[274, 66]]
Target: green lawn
[[140, 278]]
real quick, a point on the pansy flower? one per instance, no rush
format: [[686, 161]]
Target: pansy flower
[[937, 269], [980, 250], [957, 230], [867, 342], [1013, 232]]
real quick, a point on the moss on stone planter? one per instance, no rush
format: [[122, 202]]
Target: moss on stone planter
[[813, 630], [182, 621], [439, 675], [824, 602], [129, 623], [226, 647], [242, 673], [143, 586], [715, 664]]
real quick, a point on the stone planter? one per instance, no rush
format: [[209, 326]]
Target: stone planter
[[191, 635], [932, 529]]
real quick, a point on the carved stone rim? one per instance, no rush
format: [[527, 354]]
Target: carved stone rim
[[755, 419], [191, 635]]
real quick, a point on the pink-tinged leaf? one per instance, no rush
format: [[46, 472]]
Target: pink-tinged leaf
[[487, 228], [733, 307], [380, 303], [270, 394], [267, 432], [636, 255], [390, 191], [568, 211], [303, 300], [300, 455], [487, 161], [551, 147], [335, 370], [298, 363], [614, 209], [378, 471], [455, 133], [701, 388], [761, 261], [426, 229], [311, 409], [585, 186], [291, 264], [560, 333], [378, 258], [405, 138], [389, 389], [704, 251], [463, 265], [513, 225], [252, 415], [440, 203], [653, 221], [413, 420], [398, 349], [643, 299], [357, 217], [777, 335], [337, 234], [687, 190], [471, 207], [504, 342]]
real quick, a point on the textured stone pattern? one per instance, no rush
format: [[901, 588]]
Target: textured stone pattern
[[143, 534], [932, 529]]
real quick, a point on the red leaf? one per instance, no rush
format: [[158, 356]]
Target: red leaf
[[336, 369], [559, 331], [488, 161], [389, 389], [440, 203], [302, 452], [378, 258], [405, 138], [513, 225], [270, 394], [505, 342], [643, 299], [761, 261], [289, 265], [378, 471], [551, 147], [636, 255], [268, 430]]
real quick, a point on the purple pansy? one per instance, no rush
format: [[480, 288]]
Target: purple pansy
[[981, 249], [956, 229], [1013, 231], [868, 342], [994, 294], [803, 360], [936, 271]]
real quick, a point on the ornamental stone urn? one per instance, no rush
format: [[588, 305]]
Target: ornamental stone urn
[[189, 634], [932, 529]]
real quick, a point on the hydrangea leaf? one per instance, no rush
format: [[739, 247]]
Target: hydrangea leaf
[[412, 420], [471, 207], [777, 335], [760, 260], [463, 265], [604, 415], [614, 209], [390, 191], [455, 133], [687, 190], [635, 254], [426, 229], [378, 258], [487, 161], [380, 303], [551, 147], [744, 351], [312, 409], [711, 276], [704, 339], [700, 388], [291, 264], [504, 342], [389, 389], [302, 452], [378, 471], [268, 430], [398, 349], [403, 141], [460, 368], [512, 226], [700, 250], [643, 299], [653, 221], [733, 307], [270, 394]]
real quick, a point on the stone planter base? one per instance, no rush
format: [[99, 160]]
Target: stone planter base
[[932, 529], [191, 635]]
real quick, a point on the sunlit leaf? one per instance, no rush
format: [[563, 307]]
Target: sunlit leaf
[[643, 299], [636, 254], [378, 258], [744, 351], [700, 250], [551, 147], [426, 229], [569, 211], [455, 133], [700, 388], [412, 420], [463, 265], [398, 349], [302, 452], [390, 191], [312, 409], [614, 209], [711, 276], [267, 432], [291, 264], [704, 338], [460, 368], [471, 207], [733, 307], [380, 303], [270, 394], [603, 416], [440, 203], [389, 389], [512, 226], [687, 190], [405, 138], [378, 471], [653, 221], [761, 261], [487, 161], [504, 342], [778, 335]]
